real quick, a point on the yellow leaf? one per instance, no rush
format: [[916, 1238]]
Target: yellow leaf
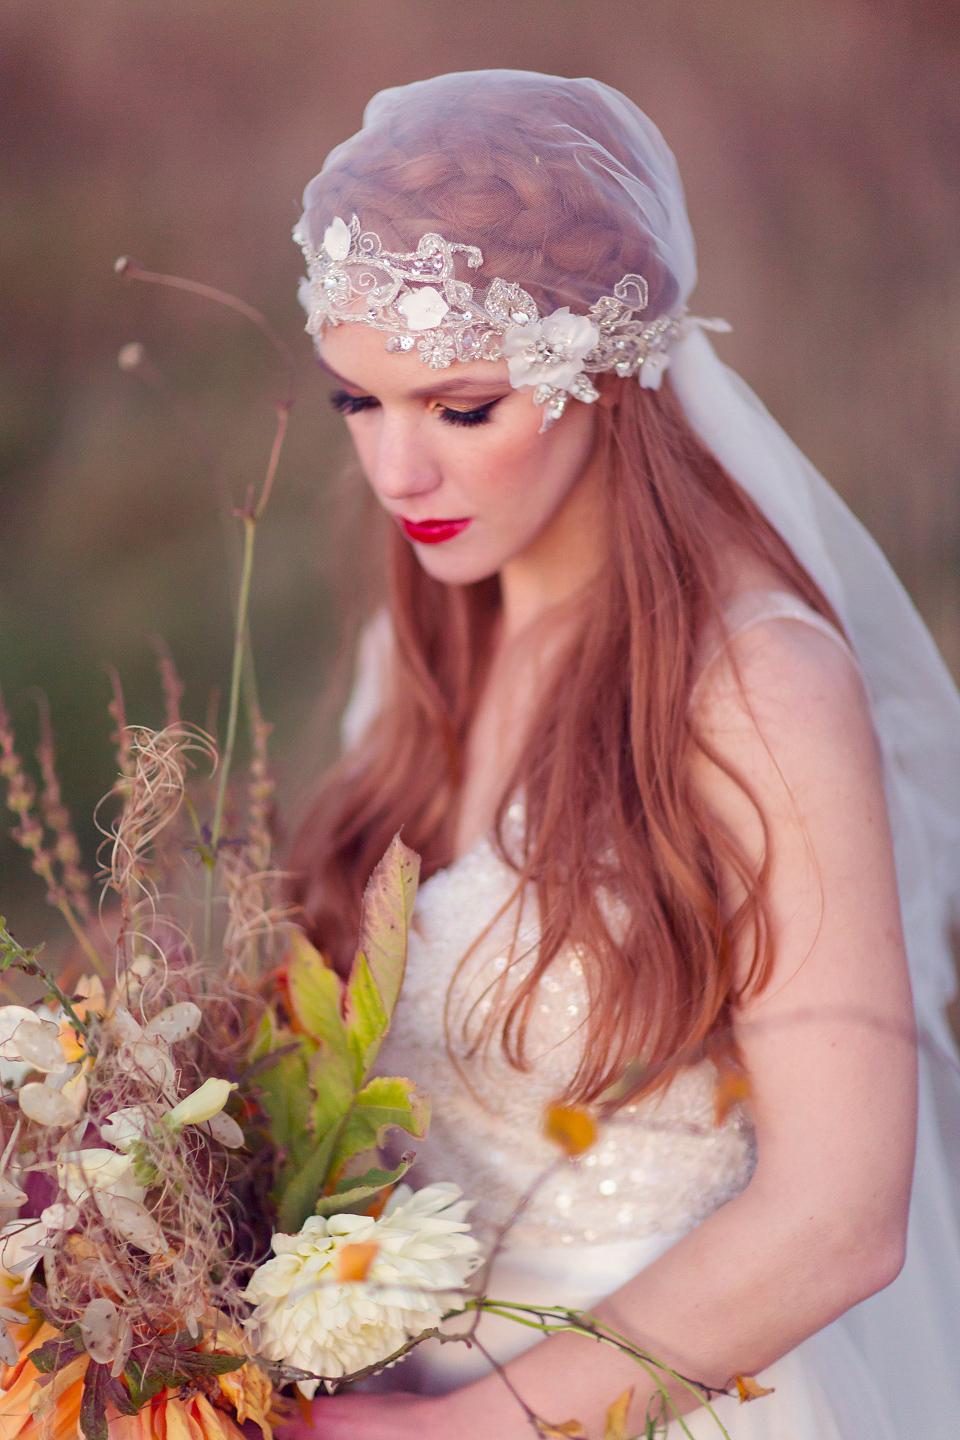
[[748, 1389], [733, 1087], [569, 1430], [571, 1127], [353, 1262], [616, 1426]]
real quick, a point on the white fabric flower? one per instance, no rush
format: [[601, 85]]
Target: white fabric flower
[[336, 239], [308, 1319], [652, 369], [551, 351], [423, 309]]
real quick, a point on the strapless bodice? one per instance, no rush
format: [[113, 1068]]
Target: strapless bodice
[[659, 1167]]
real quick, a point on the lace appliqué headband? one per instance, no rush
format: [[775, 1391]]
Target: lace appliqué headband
[[416, 299]]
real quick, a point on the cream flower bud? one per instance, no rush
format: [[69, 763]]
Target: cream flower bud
[[202, 1105]]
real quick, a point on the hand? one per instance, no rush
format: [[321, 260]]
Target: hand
[[393, 1416]]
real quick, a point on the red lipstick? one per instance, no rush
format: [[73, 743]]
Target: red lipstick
[[432, 532]]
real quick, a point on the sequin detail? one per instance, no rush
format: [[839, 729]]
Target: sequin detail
[[661, 1166], [419, 300]]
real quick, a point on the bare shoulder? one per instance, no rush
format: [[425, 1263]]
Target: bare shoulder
[[787, 685], [785, 709]]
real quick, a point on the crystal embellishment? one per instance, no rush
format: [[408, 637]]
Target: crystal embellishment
[[417, 300]]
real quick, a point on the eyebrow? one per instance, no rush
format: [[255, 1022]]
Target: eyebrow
[[443, 387]]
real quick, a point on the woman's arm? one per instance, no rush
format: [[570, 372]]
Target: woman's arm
[[831, 1057]]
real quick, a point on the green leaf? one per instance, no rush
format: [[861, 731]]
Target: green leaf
[[315, 992], [385, 921], [119, 1397], [333, 1092], [93, 1402], [381, 1105], [55, 1353], [367, 1020], [144, 1385], [284, 1094], [265, 1036], [350, 1194], [193, 1362], [300, 1185]]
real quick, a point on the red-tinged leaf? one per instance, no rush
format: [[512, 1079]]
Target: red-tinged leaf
[[385, 921], [93, 1402]]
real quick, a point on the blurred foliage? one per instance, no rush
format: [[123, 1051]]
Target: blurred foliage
[[818, 142]]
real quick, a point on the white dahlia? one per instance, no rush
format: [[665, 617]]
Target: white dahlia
[[306, 1317]]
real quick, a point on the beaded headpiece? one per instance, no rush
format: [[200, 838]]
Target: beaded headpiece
[[417, 300]]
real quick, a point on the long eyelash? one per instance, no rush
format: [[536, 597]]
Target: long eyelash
[[479, 416], [351, 404]]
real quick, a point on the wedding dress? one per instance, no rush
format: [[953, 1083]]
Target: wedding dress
[[886, 1370]]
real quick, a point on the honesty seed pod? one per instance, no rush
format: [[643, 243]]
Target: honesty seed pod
[[47, 1106]]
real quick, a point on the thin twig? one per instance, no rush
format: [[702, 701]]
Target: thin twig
[[132, 270]]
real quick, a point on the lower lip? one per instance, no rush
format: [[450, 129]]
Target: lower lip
[[432, 532]]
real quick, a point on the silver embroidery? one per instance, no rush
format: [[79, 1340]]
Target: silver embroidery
[[417, 300]]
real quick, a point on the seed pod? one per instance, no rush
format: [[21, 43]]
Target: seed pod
[[99, 1327], [9, 1350], [47, 1106], [132, 1222], [177, 1022], [39, 1044], [154, 1062], [225, 1129]]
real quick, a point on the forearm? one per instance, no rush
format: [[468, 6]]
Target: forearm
[[738, 1292]]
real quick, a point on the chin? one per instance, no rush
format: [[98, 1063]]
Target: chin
[[453, 568]]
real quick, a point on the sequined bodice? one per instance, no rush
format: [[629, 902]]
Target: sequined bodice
[[660, 1167]]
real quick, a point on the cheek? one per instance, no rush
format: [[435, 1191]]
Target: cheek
[[529, 471]]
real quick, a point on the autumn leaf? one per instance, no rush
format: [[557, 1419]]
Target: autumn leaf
[[616, 1424], [569, 1430], [733, 1087], [571, 1127], [748, 1389], [353, 1262]]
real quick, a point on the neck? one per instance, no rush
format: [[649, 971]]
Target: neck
[[566, 554]]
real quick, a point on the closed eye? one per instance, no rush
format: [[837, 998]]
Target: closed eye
[[352, 404], [479, 416]]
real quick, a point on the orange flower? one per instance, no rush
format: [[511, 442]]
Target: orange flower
[[169, 1418], [247, 1390], [51, 1411], [26, 1410]]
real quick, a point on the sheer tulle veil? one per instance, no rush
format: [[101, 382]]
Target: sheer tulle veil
[[903, 1345]]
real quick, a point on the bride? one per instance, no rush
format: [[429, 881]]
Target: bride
[[667, 734]]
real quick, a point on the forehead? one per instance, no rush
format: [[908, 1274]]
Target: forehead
[[356, 354]]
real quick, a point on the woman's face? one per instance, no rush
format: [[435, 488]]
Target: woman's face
[[455, 455]]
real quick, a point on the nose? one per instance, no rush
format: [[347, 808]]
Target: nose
[[403, 466]]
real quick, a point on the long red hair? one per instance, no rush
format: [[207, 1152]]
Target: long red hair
[[606, 769]]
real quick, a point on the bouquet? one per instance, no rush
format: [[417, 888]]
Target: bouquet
[[196, 1225]]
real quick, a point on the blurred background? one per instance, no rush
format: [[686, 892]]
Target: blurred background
[[818, 142]]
